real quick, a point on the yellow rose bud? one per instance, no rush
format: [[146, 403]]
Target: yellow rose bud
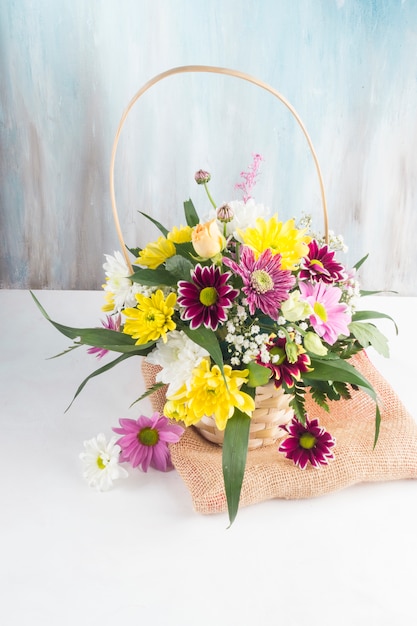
[[207, 239]]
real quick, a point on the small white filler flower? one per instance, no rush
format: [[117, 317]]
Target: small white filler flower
[[101, 462]]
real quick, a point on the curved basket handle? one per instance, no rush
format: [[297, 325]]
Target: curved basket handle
[[214, 70]]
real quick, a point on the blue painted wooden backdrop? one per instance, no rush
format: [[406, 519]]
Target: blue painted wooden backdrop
[[69, 68]]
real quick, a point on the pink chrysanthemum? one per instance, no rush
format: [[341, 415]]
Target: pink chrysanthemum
[[282, 369], [145, 441], [206, 299], [320, 265], [265, 284], [112, 322], [309, 443], [330, 318]]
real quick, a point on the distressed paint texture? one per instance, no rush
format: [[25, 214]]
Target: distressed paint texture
[[68, 69]]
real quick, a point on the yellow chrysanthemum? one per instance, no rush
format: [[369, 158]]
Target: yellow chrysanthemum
[[180, 235], [209, 395], [281, 237], [156, 253], [176, 411], [152, 317]]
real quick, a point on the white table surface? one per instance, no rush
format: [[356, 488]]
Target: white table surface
[[139, 554]]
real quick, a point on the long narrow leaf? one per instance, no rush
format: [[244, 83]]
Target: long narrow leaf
[[377, 425], [101, 370], [98, 337], [163, 230], [361, 262], [235, 449], [148, 392], [207, 339], [70, 349], [366, 292]]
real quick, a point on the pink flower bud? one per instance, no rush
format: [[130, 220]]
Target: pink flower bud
[[202, 177], [225, 213]]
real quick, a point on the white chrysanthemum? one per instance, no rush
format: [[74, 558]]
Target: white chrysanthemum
[[101, 462], [245, 215], [118, 283], [177, 357]]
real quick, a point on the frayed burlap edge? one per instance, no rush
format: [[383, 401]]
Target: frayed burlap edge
[[270, 475]]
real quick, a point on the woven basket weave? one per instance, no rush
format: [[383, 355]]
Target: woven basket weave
[[272, 405]]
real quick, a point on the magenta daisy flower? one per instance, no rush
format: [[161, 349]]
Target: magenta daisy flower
[[307, 443], [206, 299], [330, 317], [265, 284], [112, 322], [320, 264], [145, 441], [282, 369]]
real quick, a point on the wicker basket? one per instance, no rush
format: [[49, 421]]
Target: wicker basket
[[272, 405]]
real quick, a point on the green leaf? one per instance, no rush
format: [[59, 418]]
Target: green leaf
[[235, 450], [326, 389], [338, 370], [369, 335], [342, 371], [163, 230], [101, 370], [159, 276], [297, 402], [179, 267], [191, 216], [372, 315], [319, 398], [185, 249], [377, 424], [134, 251], [342, 389], [360, 262], [70, 349], [349, 348], [207, 339], [365, 292], [258, 374], [97, 337], [148, 392]]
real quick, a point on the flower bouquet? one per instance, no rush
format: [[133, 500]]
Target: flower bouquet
[[247, 323]]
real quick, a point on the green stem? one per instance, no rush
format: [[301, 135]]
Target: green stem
[[209, 196]]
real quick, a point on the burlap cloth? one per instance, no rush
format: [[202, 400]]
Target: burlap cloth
[[270, 475]]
